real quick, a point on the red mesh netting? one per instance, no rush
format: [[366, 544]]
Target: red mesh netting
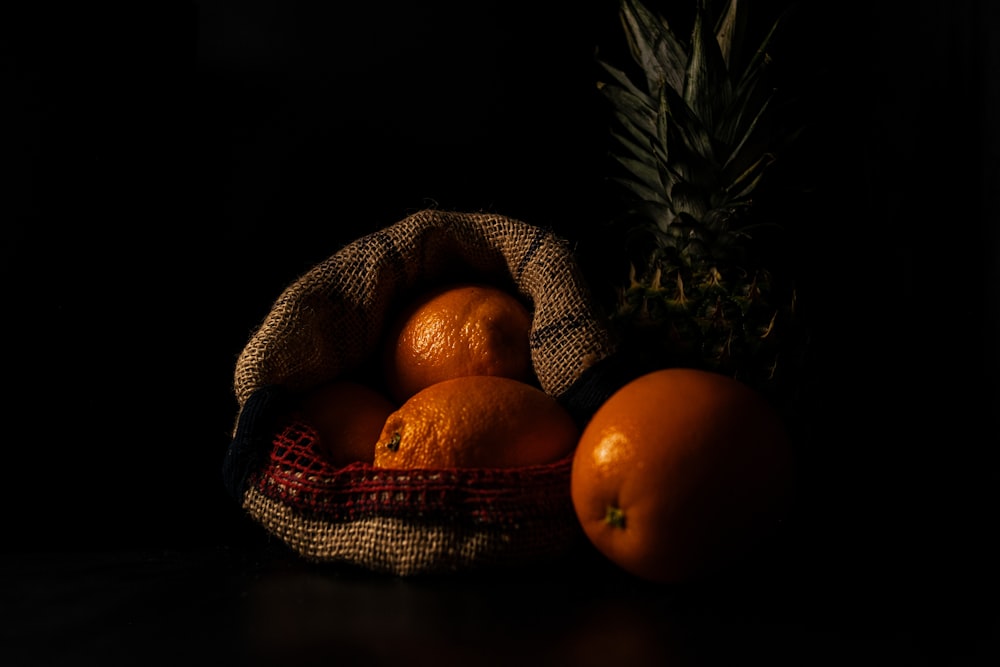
[[297, 475]]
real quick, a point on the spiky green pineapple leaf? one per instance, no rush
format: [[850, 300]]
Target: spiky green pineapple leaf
[[756, 65], [627, 98], [632, 115], [753, 96], [620, 78], [707, 88], [730, 31], [747, 145], [677, 171], [692, 130], [745, 183], [689, 198], [653, 46], [638, 150]]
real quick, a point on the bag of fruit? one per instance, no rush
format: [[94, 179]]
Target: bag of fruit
[[330, 327]]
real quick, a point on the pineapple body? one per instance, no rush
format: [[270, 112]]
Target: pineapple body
[[692, 135]]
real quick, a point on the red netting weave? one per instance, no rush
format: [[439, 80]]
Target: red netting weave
[[299, 477]]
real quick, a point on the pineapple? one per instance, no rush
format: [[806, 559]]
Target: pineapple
[[691, 138]]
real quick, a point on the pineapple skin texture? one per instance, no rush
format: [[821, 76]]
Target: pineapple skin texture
[[701, 319]]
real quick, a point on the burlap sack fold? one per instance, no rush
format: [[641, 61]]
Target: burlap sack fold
[[329, 323]]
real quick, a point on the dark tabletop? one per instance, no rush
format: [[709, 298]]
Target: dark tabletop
[[261, 605]]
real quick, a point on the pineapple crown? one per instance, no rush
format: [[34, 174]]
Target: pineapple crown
[[691, 132]]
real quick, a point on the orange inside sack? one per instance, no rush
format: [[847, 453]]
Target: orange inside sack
[[455, 330]]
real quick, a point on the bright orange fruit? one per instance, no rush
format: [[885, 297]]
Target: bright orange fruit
[[680, 472], [476, 421], [456, 330], [348, 417]]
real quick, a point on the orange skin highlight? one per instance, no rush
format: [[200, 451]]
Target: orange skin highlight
[[476, 422], [679, 473], [453, 331]]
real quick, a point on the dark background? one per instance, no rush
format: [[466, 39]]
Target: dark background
[[171, 167]]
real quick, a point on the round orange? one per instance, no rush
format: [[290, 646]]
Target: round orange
[[456, 330], [476, 421], [679, 473], [348, 417]]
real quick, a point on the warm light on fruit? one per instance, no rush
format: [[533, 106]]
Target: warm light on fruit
[[456, 330], [476, 421], [680, 472]]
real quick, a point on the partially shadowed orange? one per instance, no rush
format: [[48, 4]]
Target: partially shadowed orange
[[680, 472], [348, 418]]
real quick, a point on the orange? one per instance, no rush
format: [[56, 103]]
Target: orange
[[680, 473], [476, 422], [348, 417], [455, 330]]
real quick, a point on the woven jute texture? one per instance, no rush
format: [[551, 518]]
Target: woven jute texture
[[329, 323], [329, 320], [407, 522]]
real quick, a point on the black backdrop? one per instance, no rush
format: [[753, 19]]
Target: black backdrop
[[175, 165]]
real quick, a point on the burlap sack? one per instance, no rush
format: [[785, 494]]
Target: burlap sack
[[328, 324]]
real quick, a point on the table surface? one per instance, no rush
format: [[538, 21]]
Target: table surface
[[263, 605]]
